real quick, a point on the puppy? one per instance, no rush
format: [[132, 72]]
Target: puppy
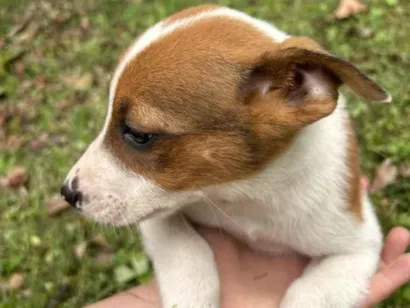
[[220, 119]]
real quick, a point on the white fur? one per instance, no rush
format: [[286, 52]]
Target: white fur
[[186, 271], [297, 204], [112, 192]]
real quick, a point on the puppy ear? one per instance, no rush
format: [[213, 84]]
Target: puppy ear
[[306, 78]]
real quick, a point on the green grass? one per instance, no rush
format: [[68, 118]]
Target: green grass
[[42, 247]]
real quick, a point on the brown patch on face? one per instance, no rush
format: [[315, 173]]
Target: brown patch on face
[[290, 103], [195, 88], [199, 66], [352, 161], [190, 12], [185, 87]]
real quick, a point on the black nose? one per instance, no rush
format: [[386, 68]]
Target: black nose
[[72, 196]]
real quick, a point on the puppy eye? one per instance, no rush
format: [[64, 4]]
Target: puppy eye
[[136, 139]]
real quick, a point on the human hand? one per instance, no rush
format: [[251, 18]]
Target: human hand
[[252, 280], [394, 269]]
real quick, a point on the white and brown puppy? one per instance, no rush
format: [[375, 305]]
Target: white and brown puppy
[[234, 124]]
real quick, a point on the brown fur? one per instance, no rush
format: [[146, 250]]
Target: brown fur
[[196, 88], [311, 54], [352, 161], [303, 43]]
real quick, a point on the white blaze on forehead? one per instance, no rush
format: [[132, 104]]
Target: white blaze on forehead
[[161, 30]]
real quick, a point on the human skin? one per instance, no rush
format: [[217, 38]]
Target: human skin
[[250, 280]]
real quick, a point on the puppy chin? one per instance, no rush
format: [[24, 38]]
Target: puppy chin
[[112, 216]]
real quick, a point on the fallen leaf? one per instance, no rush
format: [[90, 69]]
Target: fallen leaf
[[66, 104], [19, 26], [4, 286], [79, 82], [58, 140], [385, 175], [405, 171], [79, 250], [366, 32], [40, 142], [20, 67], [27, 293], [3, 118], [348, 8], [14, 142], [23, 196], [384, 202], [26, 85], [16, 177], [40, 82], [101, 241], [28, 35], [56, 207], [84, 23], [16, 281], [4, 182], [23, 192], [61, 20]]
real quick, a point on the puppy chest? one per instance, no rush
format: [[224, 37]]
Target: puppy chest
[[250, 225]]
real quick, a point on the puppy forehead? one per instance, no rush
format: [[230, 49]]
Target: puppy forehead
[[194, 57]]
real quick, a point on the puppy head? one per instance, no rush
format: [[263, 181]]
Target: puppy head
[[199, 100]]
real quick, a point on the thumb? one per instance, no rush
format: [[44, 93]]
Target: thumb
[[388, 280]]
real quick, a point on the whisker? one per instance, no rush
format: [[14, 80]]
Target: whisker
[[123, 219], [214, 214], [139, 230], [225, 214], [105, 227], [185, 221], [115, 231]]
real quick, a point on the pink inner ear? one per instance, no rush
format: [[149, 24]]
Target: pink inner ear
[[257, 82], [297, 82], [281, 62], [313, 84], [316, 83]]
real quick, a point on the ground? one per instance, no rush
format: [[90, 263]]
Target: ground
[[56, 59]]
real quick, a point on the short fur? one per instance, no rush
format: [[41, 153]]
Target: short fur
[[253, 138]]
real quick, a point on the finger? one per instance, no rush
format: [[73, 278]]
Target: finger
[[395, 244], [388, 280]]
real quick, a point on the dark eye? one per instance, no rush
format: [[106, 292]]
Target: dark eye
[[138, 140]]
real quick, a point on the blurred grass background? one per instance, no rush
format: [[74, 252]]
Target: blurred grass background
[[56, 60]]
